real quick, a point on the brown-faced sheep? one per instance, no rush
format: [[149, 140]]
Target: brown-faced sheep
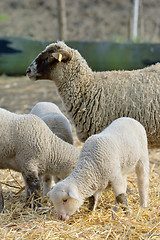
[[94, 99]]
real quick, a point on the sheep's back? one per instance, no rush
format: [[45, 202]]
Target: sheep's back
[[6, 129], [114, 94]]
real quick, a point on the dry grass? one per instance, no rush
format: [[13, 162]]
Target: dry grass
[[18, 222]]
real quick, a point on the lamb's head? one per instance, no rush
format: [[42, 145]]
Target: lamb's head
[[66, 199], [50, 62]]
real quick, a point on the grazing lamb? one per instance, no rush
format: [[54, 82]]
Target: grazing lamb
[[27, 145], [59, 125], [94, 99], [106, 158], [55, 120]]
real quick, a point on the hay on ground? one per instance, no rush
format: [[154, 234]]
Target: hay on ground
[[19, 222]]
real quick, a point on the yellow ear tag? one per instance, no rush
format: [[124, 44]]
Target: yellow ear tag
[[60, 57]]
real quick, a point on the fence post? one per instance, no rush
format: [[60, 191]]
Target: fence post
[[62, 21]]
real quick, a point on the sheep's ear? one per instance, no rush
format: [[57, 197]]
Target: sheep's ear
[[73, 194], [60, 56]]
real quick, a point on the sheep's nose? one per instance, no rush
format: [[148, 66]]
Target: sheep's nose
[[28, 70]]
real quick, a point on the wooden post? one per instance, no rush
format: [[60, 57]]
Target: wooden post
[[62, 21]]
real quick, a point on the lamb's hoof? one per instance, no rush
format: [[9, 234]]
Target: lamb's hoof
[[121, 199], [117, 208], [1, 205]]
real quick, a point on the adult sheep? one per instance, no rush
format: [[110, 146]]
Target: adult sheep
[[106, 157], [28, 146], [59, 125], [94, 99]]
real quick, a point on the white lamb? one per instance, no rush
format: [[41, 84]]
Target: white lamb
[[106, 158], [55, 120], [59, 125], [27, 145]]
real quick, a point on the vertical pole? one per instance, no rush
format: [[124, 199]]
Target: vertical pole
[[135, 19]]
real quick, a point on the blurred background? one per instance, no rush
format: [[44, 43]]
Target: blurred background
[[121, 34], [109, 35], [85, 20]]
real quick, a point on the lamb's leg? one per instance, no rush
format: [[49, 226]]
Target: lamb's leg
[[93, 201], [32, 184], [121, 199], [142, 171], [125, 182], [56, 179], [119, 185], [1, 199], [47, 183]]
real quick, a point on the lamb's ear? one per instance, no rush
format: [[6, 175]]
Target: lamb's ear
[[61, 56], [73, 194]]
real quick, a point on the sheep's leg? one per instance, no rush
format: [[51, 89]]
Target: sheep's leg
[[56, 179], [119, 185], [125, 183], [128, 190], [142, 172], [32, 184], [93, 201], [121, 199], [47, 183]]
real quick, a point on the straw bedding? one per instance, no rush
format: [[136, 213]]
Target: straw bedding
[[20, 222]]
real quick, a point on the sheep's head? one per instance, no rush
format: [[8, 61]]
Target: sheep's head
[[47, 64], [66, 199]]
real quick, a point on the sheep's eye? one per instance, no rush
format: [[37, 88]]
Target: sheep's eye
[[64, 200]]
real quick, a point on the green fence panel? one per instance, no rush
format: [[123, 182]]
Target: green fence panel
[[17, 53]]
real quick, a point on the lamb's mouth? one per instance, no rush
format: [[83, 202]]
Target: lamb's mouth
[[63, 217]]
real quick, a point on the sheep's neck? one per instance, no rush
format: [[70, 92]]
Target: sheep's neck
[[87, 179], [76, 75]]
